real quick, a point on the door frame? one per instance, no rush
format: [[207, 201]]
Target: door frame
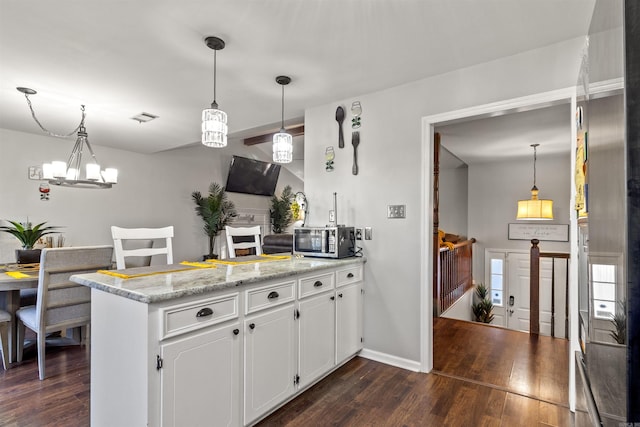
[[530, 102]]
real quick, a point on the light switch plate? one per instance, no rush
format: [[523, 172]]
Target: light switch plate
[[367, 233], [396, 211]]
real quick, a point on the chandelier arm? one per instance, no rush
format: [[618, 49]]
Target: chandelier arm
[[47, 131]]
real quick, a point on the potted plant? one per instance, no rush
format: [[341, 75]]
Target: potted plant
[[216, 211], [483, 308], [280, 212], [28, 236], [619, 320]]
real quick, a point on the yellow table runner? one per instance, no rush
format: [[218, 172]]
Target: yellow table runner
[[131, 273], [17, 274], [253, 259]]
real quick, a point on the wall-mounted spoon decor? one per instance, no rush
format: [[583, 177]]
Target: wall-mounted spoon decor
[[340, 119]]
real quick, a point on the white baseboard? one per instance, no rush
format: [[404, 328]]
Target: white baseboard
[[389, 359]]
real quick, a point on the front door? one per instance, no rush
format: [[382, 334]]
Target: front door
[[508, 278]]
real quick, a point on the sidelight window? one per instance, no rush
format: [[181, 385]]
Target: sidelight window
[[497, 281], [603, 290]]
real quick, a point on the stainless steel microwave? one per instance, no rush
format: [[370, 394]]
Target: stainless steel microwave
[[325, 242]]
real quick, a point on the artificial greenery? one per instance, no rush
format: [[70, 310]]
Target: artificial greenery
[[619, 321], [28, 234], [483, 308], [216, 211], [281, 215]]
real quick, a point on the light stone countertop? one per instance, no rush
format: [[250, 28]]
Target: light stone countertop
[[168, 286]]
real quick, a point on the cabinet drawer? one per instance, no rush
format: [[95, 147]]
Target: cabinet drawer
[[270, 296], [349, 275], [312, 285], [179, 319]]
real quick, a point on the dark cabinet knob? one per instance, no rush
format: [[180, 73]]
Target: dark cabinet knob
[[252, 325], [236, 331], [350, 275], [204, 312], [317, 284], [340, 295], [273, 295], [333, 298]]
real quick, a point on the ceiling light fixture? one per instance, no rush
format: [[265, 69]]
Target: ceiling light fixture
[[282, 141], [214, 120], [68, 174], [535, 209]]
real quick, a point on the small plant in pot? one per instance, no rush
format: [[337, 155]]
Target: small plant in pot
[[216, 212], [28, 236], [280, 212], [483, 308]]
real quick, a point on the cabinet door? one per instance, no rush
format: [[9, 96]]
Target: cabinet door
[[316, 337], [200, 379], [349, 321], [269, 362]]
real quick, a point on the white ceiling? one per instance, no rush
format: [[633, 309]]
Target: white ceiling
[[121, 58], [494, 139]]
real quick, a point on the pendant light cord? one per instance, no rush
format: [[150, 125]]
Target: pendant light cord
[[47, 131], [214, 104], [282, 122], [534, 164]]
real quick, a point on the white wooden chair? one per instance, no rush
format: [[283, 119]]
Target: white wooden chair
[[149, 234], [5, 325], [232, 232], [61, 304]]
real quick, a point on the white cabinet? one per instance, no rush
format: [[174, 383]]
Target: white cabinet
[[316, 337], [348, 312], [348, 321], [199, 378], [269, 360]]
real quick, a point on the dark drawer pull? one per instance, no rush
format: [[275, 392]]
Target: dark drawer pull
[[273, 295], [204, 312], [252, 325], [350, 275], [340, 295], [236, 331], [332, 298], [317, 284]]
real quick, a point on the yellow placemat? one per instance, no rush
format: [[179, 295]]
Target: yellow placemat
[[131, 273], [17, 274], [251, 259]]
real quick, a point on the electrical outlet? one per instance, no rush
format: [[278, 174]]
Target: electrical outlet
[[396, 211], [358, 233]]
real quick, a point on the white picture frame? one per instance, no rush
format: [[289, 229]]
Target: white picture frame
[[542, 232]]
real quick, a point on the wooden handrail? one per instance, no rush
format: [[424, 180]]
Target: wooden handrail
[[534, 288], [454, 278], [459, 244]]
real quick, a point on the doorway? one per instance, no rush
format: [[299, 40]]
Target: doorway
[[550, 99]]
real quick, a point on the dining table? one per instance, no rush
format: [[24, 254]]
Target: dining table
[[13, 278]]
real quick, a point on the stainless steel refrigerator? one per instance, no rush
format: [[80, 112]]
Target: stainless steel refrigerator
[[608, 160]]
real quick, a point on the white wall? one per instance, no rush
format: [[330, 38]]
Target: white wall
[[152, 191], [390, 173], [462, 309], [493, 201], [453, 198]]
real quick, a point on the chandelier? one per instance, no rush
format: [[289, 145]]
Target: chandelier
[[282, 141], [214, 120], [68, 174], [534, 208]]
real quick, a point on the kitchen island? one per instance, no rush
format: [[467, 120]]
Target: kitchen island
[[219, 346]]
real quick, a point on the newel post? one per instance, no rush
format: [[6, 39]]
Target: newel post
[[534, 288]]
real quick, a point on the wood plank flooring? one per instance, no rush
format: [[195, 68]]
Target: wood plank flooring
[[360, 393]]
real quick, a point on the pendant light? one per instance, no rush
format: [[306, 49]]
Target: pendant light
[[535, 209], [282, 141], [68, 174], [214, 120]]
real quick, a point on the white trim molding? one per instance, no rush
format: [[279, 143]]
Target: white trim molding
[[389, 359]]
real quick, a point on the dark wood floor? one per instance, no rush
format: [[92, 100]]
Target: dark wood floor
[[512, 381]]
